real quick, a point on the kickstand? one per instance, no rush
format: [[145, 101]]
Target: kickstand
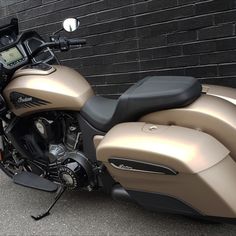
[[60, 192]]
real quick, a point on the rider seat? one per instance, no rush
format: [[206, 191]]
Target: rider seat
[[151, 94]]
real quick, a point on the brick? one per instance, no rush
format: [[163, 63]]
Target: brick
[[225, 30], [115, 89], [163, 72], [21, 6], [126, 67], [202, 71], [182, 61], [4, 3], [48, 1], [156, 30], [167, 15], [111, 37], [127, 45], [214, 6], [148, 6], [218, 57], [181, 37], [93, 69], [183, 2], [199, 47], [194, 23], [227, 69], [153, 64], [225, 17], [150, 42], [114, 78], [115, 13], [226, 44], [110, 26], [117, 3], [162, 52]]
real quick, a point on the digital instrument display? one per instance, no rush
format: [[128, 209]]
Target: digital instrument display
[[11, 55]]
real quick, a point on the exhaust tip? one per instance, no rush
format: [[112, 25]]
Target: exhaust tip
[[120, 194]]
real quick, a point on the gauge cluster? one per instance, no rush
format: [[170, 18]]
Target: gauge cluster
[[16, 52], [13, 57], [15, 48]]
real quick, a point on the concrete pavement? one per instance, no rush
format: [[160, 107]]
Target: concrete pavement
[[82, 213]]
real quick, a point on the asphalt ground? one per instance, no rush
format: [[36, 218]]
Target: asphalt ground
[[95, 213]]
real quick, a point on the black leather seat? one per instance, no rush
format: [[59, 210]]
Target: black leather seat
[[148, 95]]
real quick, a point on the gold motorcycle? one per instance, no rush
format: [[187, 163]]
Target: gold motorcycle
[[167, 143]]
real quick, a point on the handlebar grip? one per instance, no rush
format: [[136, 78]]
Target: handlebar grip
[[77, 41]]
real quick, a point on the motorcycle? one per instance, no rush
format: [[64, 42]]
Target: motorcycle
[[167, 143]]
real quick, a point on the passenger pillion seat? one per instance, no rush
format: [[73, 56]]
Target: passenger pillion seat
[[151, 94]]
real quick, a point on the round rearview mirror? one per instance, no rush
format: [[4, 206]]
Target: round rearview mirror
[[71, 24]]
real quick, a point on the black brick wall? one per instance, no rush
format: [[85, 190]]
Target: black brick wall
[[130, 39]]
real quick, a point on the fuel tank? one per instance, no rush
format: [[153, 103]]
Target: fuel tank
[[46, 88]]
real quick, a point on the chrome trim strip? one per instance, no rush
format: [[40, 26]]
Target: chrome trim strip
[[135, 170], [129, 168]]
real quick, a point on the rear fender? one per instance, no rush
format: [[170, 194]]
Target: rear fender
[[209, 114], [226, 93]]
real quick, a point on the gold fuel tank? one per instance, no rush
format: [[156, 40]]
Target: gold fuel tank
[[37, 90]]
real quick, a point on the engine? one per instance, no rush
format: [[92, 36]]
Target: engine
[[75, 171], [63, 128], [55, 138]]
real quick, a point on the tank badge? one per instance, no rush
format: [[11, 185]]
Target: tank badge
[[21, 100]]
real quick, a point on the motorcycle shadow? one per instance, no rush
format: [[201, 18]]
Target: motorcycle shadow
[[96, 212]]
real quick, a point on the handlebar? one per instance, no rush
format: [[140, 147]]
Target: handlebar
[[76, 41], [60, 43]]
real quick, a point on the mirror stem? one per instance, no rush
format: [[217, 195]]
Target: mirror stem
[[56, 32]]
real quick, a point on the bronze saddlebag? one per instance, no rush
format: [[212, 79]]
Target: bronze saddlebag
[[179, 163]]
